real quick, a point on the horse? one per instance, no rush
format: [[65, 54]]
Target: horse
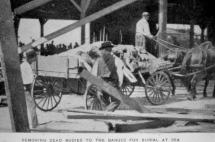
[[198, 59]]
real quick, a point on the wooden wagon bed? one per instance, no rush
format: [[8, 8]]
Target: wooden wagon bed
[[57, 66]]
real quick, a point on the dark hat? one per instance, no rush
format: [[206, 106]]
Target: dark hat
[[107, 44]]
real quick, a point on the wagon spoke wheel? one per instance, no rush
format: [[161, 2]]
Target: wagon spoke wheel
[[94, 99], [46, 93], [158, 88], [127, 89]]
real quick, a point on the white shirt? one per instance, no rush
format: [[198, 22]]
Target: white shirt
[[142, 28], [27, 73]]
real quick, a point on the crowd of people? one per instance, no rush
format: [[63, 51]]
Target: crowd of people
[[51, 48]]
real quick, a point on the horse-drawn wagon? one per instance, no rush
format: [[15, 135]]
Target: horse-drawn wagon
[[58, 74], [55, 75], [146, 71]]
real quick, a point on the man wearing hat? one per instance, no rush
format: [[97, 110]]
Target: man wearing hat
[[142, 32], [105, 68]]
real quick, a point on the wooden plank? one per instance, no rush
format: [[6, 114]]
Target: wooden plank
[[29, 6], [81, 22], [134, 126], [112, 91], [183, 111], [210, 106], [207, 127], [11, 70], [73, 126], [76, 5], [80, 116], [146, 116]]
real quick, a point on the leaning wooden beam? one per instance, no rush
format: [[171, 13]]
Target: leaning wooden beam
[[143, 116], [81, 22], [29, 6], [76, 5], [113, 91], [11, 70]]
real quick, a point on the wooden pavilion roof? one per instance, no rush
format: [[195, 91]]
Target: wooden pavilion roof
[[65, 9]]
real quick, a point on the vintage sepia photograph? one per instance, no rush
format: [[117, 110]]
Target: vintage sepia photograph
[[106, 67]]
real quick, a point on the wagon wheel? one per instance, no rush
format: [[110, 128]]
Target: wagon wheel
[[158, 88], [94, 100], [127, 89], [46, 92]]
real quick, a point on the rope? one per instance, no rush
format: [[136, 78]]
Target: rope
[[171, 43], [162, 44]]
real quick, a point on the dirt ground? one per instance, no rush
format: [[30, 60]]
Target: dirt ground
[[71, 101]]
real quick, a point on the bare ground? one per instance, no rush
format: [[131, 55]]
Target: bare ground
[[76, 101]]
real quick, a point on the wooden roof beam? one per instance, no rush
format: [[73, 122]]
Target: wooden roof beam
[[85, 4], [29, 6], [79, 23], [76, 5]]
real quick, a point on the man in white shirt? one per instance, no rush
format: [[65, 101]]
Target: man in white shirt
[[27, 78], [142, 31]]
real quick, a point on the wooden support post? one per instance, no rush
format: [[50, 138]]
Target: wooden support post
[[162, 23], [84, 6], [192, 23], [87, 19], [103, 33], [191, 33], [42, 23], [82, 29], [100, 35], [76, 5], [94, 37], [88, 37], [16, 25], [11, 70], [29, 6]]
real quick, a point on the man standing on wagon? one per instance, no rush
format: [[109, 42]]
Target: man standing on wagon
[[142, 32]]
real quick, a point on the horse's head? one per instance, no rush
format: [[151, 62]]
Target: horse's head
[[178, 58], [194, 57]]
